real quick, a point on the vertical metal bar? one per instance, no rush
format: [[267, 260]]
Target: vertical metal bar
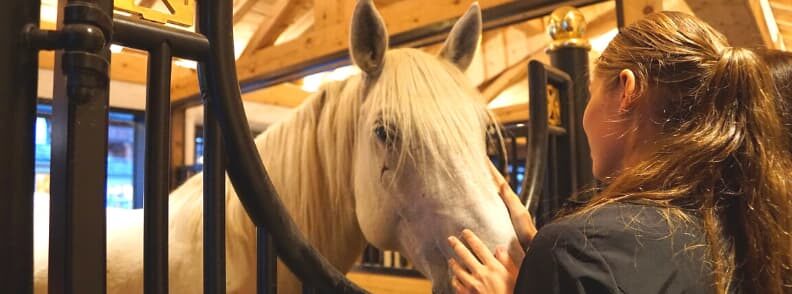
[[155, 213], [513, 181], [139, 171], [574, 61], [266, 263], [79, 160], [619, 14], [213, 205], [18, 80], [536, 157]]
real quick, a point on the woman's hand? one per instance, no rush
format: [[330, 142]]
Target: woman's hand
[[487, 274], [521, 219]]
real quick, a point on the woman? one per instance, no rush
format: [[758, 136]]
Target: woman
[[685, 132]]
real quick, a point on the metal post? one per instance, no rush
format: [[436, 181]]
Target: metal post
[[155, 214], [569, 53], [18, 77], [79, 150], [266, 263], [214, 205]]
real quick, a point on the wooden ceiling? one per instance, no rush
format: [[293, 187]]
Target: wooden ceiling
[[273, 34], [782, 10]]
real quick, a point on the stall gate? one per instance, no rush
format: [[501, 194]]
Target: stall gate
[[80, 115], [77, 238]]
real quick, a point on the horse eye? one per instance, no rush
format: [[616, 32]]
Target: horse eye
[[386, 135], [381, 133]]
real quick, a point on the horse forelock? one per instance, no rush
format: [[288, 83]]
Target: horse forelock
[[434, 107]]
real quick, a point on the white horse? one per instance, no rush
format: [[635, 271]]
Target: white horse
[[394, 156]]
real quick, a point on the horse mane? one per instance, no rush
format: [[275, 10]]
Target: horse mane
[[305, 168]]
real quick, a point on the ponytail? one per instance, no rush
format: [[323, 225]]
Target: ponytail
[[754, 206]]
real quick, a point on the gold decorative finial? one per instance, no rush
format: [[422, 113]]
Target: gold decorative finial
[[567, 27]]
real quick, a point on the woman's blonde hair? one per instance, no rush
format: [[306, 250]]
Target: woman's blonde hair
[[720, 150]]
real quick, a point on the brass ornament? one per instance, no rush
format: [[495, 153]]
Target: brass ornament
[[553, 106], [182, 12], [567, 27]]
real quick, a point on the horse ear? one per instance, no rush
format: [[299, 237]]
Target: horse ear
[[369, 39], [463, 40]]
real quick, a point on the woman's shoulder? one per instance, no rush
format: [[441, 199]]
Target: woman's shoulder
[[636, 220], [632, 247]]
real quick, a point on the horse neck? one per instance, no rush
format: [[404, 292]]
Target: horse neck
[[309, 159]]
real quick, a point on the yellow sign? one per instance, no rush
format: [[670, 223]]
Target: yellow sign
[[182, 12]]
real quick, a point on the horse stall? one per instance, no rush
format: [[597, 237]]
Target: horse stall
[[235, 123]]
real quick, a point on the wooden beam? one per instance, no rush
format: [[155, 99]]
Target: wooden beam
[[511, 113], [742, 21], [285, 94], [241, 8], [778, 5], [513, 74], [782, 12], [271, 27], [326, 41], [337, 12]]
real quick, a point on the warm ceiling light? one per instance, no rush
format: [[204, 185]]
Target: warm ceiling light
[[116, 48], [311, 83], [186, 63], [599, 43]]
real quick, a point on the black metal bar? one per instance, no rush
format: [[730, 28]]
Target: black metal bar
[[218, 80], [539, 191], [495, 17], [79, 153], [513, 150], [213, 205], [619, 14], [139, 171], [18, 80], [536, 158], [574, 62], [145, 35], [155, 212], [266, 264]]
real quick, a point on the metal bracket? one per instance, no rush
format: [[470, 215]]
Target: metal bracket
[[85, 35]]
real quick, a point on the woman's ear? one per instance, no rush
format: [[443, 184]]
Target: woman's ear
[[628, 96]]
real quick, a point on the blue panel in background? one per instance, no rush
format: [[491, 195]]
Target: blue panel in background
[[120, 155]]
